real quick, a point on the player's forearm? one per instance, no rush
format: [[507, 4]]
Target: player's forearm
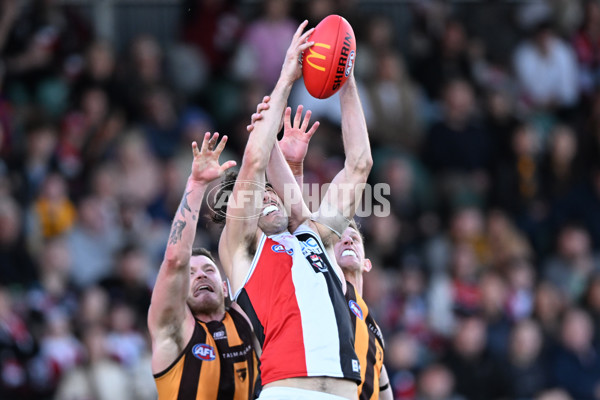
[[354, 130], [300, 181], [282, 179], [264, 136], [298, 172], [278, 172], [297, 169], [183, 229]]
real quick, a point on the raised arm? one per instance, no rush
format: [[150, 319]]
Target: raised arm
[[347, 187], [341, 200], [285, 169], [239, 234], [168, 308], [294, 144]]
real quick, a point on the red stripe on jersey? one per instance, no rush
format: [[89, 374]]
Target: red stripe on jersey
[[273, 296]]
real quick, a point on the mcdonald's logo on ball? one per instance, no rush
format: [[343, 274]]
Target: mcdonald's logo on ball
[[312, 53]]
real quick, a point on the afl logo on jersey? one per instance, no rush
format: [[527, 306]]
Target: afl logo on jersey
[[279, 248], [355, 308], [204, 352]]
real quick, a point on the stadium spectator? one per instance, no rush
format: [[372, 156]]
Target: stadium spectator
[[37, 160], [92, 242], [53, 212], [17, 347], [475, 371], [402, 354], [526, 373], [254, 60], [214, 27], [500, 121], [549, 307], [53, 290], [130, 282], [98, 376], [592, 304], [576, 364], [562, 169], [573, 263], [586, 42], [395, 102], [457, 148], [436, 382], [18, 264], [494, 299], [448, 61], [521, 280], [547, 71], [506, 243]]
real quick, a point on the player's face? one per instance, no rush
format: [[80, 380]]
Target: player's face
[[273, 218], [350, 251], [207, 289]]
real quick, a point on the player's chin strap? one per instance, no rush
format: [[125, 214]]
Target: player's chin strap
[[330, 217]]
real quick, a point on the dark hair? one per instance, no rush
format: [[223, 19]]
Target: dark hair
[[201, 251], [221, 198], [37, 122], [219, 214]]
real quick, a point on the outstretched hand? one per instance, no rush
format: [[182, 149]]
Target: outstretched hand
[[292, 69], [206, 167], [294, 143]]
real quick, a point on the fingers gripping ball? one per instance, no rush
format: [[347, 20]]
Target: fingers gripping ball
[[328, 63]]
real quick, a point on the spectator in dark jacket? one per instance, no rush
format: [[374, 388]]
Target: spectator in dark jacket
[[576, 365]]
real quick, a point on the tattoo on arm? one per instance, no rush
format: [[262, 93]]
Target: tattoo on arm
[[185, 206], [176, 231]]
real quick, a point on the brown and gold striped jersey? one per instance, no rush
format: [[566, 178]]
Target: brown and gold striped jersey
[[218, 363], [368, 345]]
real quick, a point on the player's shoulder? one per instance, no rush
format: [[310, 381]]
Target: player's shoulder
[[234, 309]]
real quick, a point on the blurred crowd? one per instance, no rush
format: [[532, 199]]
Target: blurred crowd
[[484, 119]]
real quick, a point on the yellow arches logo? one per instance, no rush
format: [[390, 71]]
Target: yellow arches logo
[[316, 55]]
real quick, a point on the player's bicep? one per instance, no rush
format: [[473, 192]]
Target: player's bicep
[[243, 209], [168, 305], [341, 201], [285, 185], [236, 258]]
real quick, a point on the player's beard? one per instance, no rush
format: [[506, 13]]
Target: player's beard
[[209, 305], [276, 225]]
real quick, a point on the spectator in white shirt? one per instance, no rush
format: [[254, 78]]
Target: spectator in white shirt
[[547, 70]]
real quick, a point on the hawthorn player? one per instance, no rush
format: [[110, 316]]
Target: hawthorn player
[[200, 349]]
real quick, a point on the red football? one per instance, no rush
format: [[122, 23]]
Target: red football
[[328, 63]]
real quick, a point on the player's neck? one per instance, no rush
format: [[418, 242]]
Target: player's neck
[[356, 279], [216, 315]]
